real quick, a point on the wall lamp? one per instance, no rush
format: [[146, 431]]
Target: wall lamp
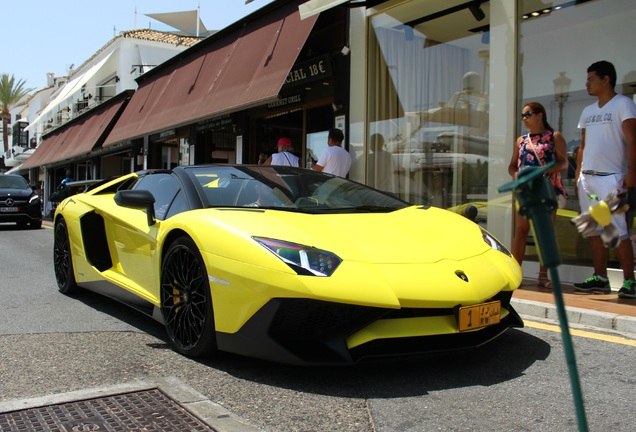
[[475, 9], [473, 6]]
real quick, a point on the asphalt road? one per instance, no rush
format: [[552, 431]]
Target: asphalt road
[[51, 343]]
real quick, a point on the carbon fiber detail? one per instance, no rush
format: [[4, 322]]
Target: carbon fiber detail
[[302, 319]]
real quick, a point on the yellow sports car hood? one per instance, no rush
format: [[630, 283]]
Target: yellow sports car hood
[[411, 235]]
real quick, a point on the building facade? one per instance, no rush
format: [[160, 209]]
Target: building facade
[[232, 96], [64, 132], [23, 143]]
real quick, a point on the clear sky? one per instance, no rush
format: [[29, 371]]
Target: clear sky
[[41, 36]]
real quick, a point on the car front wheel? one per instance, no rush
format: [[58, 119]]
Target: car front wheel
[[62, 260], [186, 303]]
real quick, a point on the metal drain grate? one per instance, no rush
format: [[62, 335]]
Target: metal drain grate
[[148, 411]]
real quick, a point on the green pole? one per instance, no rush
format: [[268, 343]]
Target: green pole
[[537, 201]]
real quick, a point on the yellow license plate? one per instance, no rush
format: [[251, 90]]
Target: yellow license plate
[[479, 315]]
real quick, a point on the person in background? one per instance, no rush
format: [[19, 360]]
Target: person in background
[[607, 163], [540, 146], [62, 190], [380, 165], [284, 155], [334, 160], [59, 195], [67, 179], [572, 163]]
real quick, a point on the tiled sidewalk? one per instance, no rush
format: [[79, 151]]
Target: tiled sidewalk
[[596, 302], [603, 311]]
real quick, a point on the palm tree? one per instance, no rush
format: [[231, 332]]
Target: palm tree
[[11, 93]]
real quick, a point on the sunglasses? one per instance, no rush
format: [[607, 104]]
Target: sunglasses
[[526, 114]]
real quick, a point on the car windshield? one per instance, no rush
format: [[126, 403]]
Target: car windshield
[[287, 188], [13, 182]]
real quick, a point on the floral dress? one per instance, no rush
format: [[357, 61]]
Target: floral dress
[[537, 150]]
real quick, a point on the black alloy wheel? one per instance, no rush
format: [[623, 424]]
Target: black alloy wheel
[[62, 260], [186, 302]]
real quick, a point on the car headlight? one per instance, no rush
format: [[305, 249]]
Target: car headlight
[[34, 199], [493, 242], [305, 260]]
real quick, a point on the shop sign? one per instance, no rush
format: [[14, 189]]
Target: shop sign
[[318, 68], [167, 134], [214, 123], [285, 102], [283, 113]]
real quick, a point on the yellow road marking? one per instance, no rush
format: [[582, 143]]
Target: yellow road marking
[[582, 333]]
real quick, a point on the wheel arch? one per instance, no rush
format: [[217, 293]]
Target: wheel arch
[[170, 238]]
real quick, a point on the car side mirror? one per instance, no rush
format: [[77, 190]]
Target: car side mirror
[[471, 213], [138, 199]]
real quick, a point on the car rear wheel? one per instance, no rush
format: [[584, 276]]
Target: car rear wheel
[[62, 260], [186, 302]]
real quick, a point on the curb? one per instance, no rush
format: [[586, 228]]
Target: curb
[[578, 316]]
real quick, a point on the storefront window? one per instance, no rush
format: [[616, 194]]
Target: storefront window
[[558, 41], [428, 118]]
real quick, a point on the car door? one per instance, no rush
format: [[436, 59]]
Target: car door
[[135, 241]]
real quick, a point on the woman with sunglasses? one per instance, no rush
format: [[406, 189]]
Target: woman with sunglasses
[[540, 146]]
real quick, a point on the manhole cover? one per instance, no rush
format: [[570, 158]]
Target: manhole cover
[[148, 410]]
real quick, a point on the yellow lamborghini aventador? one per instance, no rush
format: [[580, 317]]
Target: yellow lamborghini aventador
[[286, 264]]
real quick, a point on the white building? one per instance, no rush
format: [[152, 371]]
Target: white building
[[22, 144], [110, 71], [108, 75]]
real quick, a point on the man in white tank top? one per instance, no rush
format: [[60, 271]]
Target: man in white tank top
[[284, 155]]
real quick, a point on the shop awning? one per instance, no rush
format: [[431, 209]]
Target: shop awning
[[242, 68], [80, 135], [44, 151]]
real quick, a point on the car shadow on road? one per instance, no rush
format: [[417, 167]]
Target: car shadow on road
[[504, 359], [122, 312]]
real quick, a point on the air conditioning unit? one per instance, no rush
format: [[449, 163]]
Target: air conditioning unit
[[81, 105], [61, 117]]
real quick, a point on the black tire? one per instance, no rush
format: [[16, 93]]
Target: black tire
[[62, 260], [36, 224], [186, 303]]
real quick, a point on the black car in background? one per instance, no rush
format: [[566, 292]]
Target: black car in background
[[18, 202]]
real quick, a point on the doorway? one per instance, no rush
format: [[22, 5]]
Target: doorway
[[295, 124]]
